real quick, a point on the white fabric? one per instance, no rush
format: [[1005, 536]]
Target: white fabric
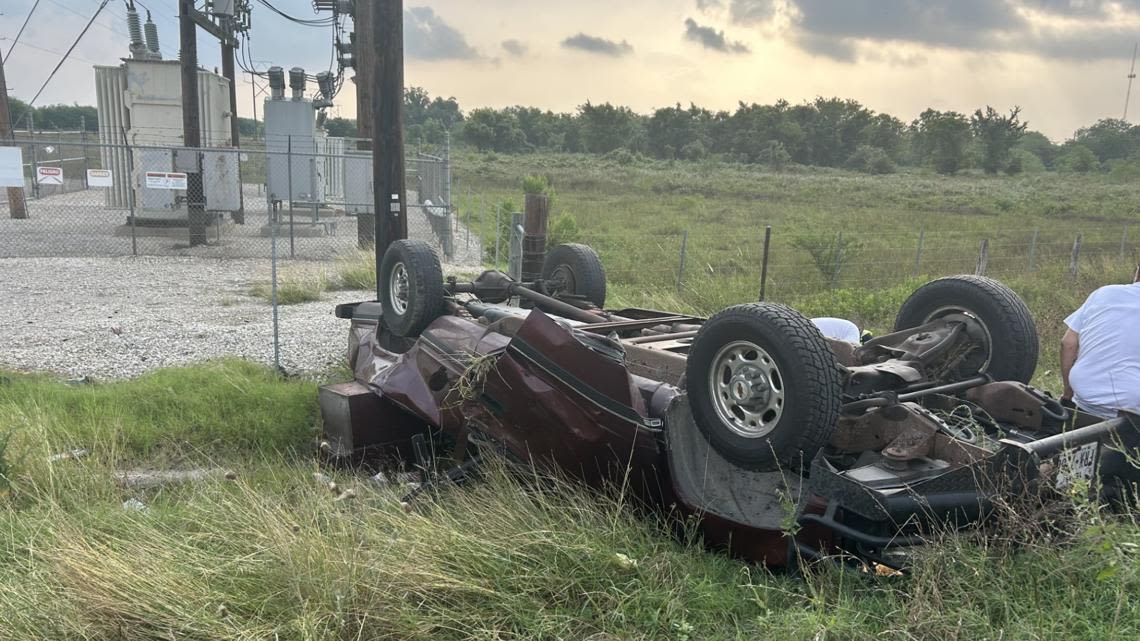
[[1106, 376], [839, 329]]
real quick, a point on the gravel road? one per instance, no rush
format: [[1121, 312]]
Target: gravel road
[[111, 318]]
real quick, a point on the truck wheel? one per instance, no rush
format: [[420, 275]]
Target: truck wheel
[[575, 270], [1007, 331], [764, 386], [411, 287]]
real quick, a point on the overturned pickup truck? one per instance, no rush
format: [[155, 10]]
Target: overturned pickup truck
[[749, 420]]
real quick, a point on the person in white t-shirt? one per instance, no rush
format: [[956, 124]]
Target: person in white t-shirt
[[1100, 352]]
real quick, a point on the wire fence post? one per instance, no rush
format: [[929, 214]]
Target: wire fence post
[[764, 262], [1075, 258], [83, 143], [838, 259], [273, 293], [62, 161], [289, 169], [1124, 244], [681, 267], [515, 249], [918, 252], [130, 194], [1033, 250], [983, 258]]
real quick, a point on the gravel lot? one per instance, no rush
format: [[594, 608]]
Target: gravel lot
[[111, 318]]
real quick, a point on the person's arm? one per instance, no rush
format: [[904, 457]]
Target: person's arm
[[1070, 347]]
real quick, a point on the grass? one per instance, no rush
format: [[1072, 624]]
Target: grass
[[273, 554]]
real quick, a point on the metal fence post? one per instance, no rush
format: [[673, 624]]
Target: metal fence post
[[62, 161], [515, 250], [681, 267], [918, 252], [764, 262], [1075, 258], [131, 194], [289, 168], [273, 294], [83, 143], [1033, 250], [35, 163], [983, 258]]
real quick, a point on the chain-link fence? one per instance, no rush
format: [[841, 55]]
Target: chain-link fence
[[314, 196]]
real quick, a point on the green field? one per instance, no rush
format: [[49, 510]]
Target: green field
[[275, 554], [636, 214]]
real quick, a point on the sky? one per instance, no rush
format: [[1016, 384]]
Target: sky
[[1064, 62]]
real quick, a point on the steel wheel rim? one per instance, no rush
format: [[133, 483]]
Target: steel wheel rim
[[398, 289], [563, 280], [949, 312], [747, 389]]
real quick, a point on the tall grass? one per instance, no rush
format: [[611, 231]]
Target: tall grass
[[275, 555]]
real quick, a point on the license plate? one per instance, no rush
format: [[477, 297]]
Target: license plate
[[1077, 465]]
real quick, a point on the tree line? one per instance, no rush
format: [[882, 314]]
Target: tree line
[[52, 117], [825, 132]]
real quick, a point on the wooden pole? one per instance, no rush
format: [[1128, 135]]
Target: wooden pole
[[17, 206], [535, 226], [983, 258], [228, 74], [191, 127], [918, 252], [387, 84], [1075, 258], [362, 63], [764, 262]]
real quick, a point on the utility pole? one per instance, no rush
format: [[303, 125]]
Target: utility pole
[[191, 131], [17, 207], [388, 125], [1131, 77], [228, 74], [363, 62]]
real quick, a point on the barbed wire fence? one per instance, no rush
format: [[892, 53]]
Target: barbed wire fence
[[285, 206]]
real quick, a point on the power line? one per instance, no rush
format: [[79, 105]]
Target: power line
[[64, 58], [20, 32], [319, 22]]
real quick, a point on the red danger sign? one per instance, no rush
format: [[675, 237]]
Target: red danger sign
[[49, 175]]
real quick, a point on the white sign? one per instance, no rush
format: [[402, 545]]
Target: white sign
[[50, 175], [165, 180], [11, 167], [1077, 465], [100, 178]]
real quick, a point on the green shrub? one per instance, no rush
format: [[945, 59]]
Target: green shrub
[[871, 160], [563, 229]]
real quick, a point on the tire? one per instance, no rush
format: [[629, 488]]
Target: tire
[[414, 264], [576, 270], [782, 425], [1012, 334]]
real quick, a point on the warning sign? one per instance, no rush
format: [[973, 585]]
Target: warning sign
[[99, 178], [50, 175], [165, 180]]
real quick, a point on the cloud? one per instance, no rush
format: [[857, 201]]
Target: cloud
[[515, 48], [753, 11], [428, 37], [1059, 29], [710, 38], [708, 5], [594, 44]]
